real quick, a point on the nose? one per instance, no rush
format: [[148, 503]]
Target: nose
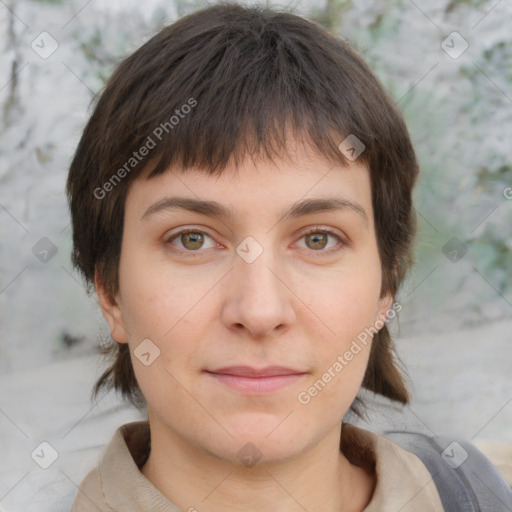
[[257, 297]]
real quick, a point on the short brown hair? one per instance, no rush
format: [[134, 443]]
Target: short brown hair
[[252, 75]]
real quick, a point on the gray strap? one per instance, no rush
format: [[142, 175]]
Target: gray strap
[[465, 479]]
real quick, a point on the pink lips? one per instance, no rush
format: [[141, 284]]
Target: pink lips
[[254, 381]]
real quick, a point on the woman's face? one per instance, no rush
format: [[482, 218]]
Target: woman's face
[[275, 265]]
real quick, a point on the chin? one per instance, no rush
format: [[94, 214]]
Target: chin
[[271, 441], [250, 452]]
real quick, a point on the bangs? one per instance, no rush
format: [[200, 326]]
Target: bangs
[[251, 86]]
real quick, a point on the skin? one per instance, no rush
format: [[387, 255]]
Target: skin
[[299, 304]]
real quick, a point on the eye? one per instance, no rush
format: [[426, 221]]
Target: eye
[[191, 240], [318, 239]]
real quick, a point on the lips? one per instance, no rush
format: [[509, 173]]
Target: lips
[[247, 371], [254, 381]]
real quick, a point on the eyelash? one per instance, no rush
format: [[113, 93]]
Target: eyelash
[[342, 243]]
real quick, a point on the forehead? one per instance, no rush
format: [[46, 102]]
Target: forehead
[[286, 188]]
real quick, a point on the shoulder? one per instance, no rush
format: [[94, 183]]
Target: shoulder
[[117, 469], [90, 494], [396, 469]]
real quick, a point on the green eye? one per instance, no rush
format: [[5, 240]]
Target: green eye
[[318, 239], [190, 241]]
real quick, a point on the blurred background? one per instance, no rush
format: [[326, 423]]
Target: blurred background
[[447, 65]]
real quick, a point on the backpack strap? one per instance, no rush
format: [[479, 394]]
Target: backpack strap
[[465, 479]]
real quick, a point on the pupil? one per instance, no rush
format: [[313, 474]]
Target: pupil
[[195, 240], [320, 238]]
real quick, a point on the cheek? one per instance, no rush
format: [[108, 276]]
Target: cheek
[[347, 301], [157, 298], [342, 321], [169, 308], [342, 351]]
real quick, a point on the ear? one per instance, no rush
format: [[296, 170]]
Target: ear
[[111, 310], [384, 307]]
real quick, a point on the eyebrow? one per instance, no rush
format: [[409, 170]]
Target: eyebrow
[[214, 209]]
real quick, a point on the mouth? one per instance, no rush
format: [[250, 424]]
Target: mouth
[[254, 381]]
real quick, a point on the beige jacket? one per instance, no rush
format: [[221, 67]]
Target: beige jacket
[[117, 485]]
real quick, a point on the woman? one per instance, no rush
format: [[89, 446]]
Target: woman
[[241, 203]]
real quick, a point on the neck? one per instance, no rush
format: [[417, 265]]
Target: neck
[[321, 478]]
